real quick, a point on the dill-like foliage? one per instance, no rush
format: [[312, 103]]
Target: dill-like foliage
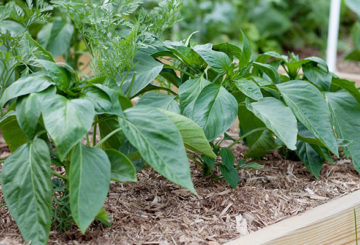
[[113, 29]]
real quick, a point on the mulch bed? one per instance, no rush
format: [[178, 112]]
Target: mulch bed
[[155, 211]]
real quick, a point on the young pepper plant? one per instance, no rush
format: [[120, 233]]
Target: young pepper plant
[[47, 112], [310, 113]]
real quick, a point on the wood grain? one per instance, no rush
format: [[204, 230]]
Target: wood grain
[[331, 223]]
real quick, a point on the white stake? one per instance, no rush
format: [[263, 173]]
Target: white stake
[[334, 19]]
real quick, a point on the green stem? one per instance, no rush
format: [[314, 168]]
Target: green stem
[[94, 134], [195, 161], [108, 136], [87, 139], [246, 135], [59, 175]]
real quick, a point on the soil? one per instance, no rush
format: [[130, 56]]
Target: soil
[[155, 211]]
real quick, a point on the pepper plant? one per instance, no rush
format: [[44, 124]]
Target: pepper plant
[[48, 110]]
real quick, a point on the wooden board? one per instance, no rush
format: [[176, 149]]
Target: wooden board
[[332, 223]]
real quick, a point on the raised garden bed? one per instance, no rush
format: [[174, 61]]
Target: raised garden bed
[[155, 211]]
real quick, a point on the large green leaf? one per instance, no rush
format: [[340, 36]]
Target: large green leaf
[[310, 108], [215, 110], [58, 74], [348, 86], [317, 76], [11, 131], [164, 101], [89, 182], [28, 113], [265, 143], [227, 169], [249, 88], [345, 114], [311, 159], [107, 124], [159, 143], [26, 185], [145, 71], [188, 92], [192, 134], [104, 99], [35, 82], [56, 36], [67, 121], [122, 169], [184, 53], [278, 118], [218, 61]]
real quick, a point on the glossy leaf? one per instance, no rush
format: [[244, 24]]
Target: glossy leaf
[[27, 189], [311, 159], [348, 86], [310, 108], [278, 118], [35, 82], [318, 77], [28, 114], [159, 143], [122, 169], [67, 121], [56, 36], [58, 74], [345, 114], [191, 133], [188, 92], [164, 101], [11, 131], [89, 182], [228, 171], [145, 71], [215, 110], [249, 88], [218, 61]]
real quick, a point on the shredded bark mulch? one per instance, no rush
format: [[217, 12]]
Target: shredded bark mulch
[[155, 211]]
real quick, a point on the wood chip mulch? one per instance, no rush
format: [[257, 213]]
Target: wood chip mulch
[[155, 211]]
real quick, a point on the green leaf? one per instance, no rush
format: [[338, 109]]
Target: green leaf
[[218, 61], [354, 55], [348, 86], [159, 143], [89, 182], [11, 131], [188, 92], [191, 133], [56, 36], [107, 124], [230, 49], [311, 159], [354, 5], [228, 171], [317, 76], [122, 169], [35, 82], [26, 185], [58, 74], [252, 165], [249, 88], [262, 145], [345, 114], [14, 28], [67, 121], [184, 53], [215, 110], [278, 118], [28, 114], [269, 70], [164, 101], [145, 71], [104, 99], [309, 106]]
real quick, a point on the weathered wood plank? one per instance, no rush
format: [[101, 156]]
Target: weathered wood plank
[[331, 223]]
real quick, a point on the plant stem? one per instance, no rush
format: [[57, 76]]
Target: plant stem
[[246, 135], [94, 133], [195, 161], [59, 175], [107, 137]]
